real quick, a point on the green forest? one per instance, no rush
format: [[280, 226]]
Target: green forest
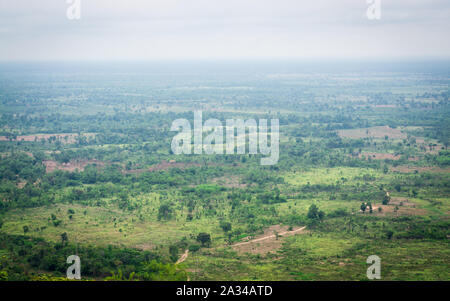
[[86, 168]]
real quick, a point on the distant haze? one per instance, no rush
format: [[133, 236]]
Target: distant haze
[[114, 30]]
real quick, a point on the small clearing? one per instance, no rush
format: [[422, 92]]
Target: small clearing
[[268, 241], [419, 169], [71, 166], [379, 156], [373, 132], [65, 138], [164, 165]]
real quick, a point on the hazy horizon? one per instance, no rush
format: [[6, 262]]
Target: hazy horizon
[[174, 30]]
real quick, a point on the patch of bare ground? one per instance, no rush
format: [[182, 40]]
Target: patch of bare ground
[[433, 149], [164, 165], [402, 210], [270, 241], [428, 147], [71, 166], [379, 156], [183, 257], [52, 152], [63, 138], [395, 208], [419, 169], [230, 181], [414, 159], [373, 132], [383, 106], [21, 184], [401, 201]]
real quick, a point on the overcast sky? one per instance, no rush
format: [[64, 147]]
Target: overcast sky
[[223, 29]]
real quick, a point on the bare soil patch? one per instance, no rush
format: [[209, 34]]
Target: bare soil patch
[[379, 156], [413, 159], [183, 257], [270, 241], [164, 165], [403, 210], [21, 184], [426, 148], [420, 169], [71, 166], [433, 149], [384, 106], [373, 132], [69, 138], [401, 201], [408, 208]]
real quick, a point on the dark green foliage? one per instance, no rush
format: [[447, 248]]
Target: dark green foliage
[[363, 207], [338, 213], [194, 248], [226, 226], [165, 212], [314, 213], [36, 254], [173, 251], [204, 239], [64, 238]]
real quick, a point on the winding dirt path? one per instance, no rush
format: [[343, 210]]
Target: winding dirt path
[[183, 257]]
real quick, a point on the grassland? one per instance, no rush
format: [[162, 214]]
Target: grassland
[[363, 170]]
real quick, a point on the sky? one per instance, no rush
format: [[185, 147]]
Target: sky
[[152, 30]]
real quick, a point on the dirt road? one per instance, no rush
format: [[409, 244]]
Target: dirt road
[[183, 257], [269, 236]]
